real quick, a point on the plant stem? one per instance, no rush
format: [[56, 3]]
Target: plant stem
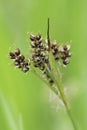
[[48, 35], [40, 76], [67, 106], [58, 82]]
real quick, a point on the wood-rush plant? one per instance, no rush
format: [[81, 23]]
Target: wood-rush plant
[[45, 61]]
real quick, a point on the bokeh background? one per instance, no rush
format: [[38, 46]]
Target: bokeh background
[[24, 99]]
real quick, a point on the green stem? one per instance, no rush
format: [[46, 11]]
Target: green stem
[[62, 96], [58, 82], [48, 35], [67, 106], [51, 87]]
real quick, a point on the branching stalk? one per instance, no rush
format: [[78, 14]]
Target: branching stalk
[[48, 35], [67, 106], [59, 84], [56, 75], [45, 57]]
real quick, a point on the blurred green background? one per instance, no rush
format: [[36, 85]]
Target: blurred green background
[[24, 104]]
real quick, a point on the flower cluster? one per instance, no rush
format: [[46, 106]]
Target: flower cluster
[[61, 52], [39, 52], [40, 57], [19, 60]]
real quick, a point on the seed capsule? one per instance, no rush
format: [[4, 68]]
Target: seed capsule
[[66, 61], [17, 52], [12, 55], [32, 37], [66, 47], [38, 37], [20, 58]]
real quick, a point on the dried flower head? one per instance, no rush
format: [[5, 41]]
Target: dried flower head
[[19, 60], [45, 58], [40, 57]]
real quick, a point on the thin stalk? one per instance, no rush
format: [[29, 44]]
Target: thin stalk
[[56, 76], [62, 96], [51, 87], [67, 106], [58, 82], [48, 35], [65, 101]]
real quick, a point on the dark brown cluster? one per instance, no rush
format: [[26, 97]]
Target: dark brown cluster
[[61, 52], [19, 60], [55, 51], [66, 54], [40, 55], [39, 52]]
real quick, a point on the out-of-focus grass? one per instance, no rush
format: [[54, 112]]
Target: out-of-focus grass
[[22, 94]]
